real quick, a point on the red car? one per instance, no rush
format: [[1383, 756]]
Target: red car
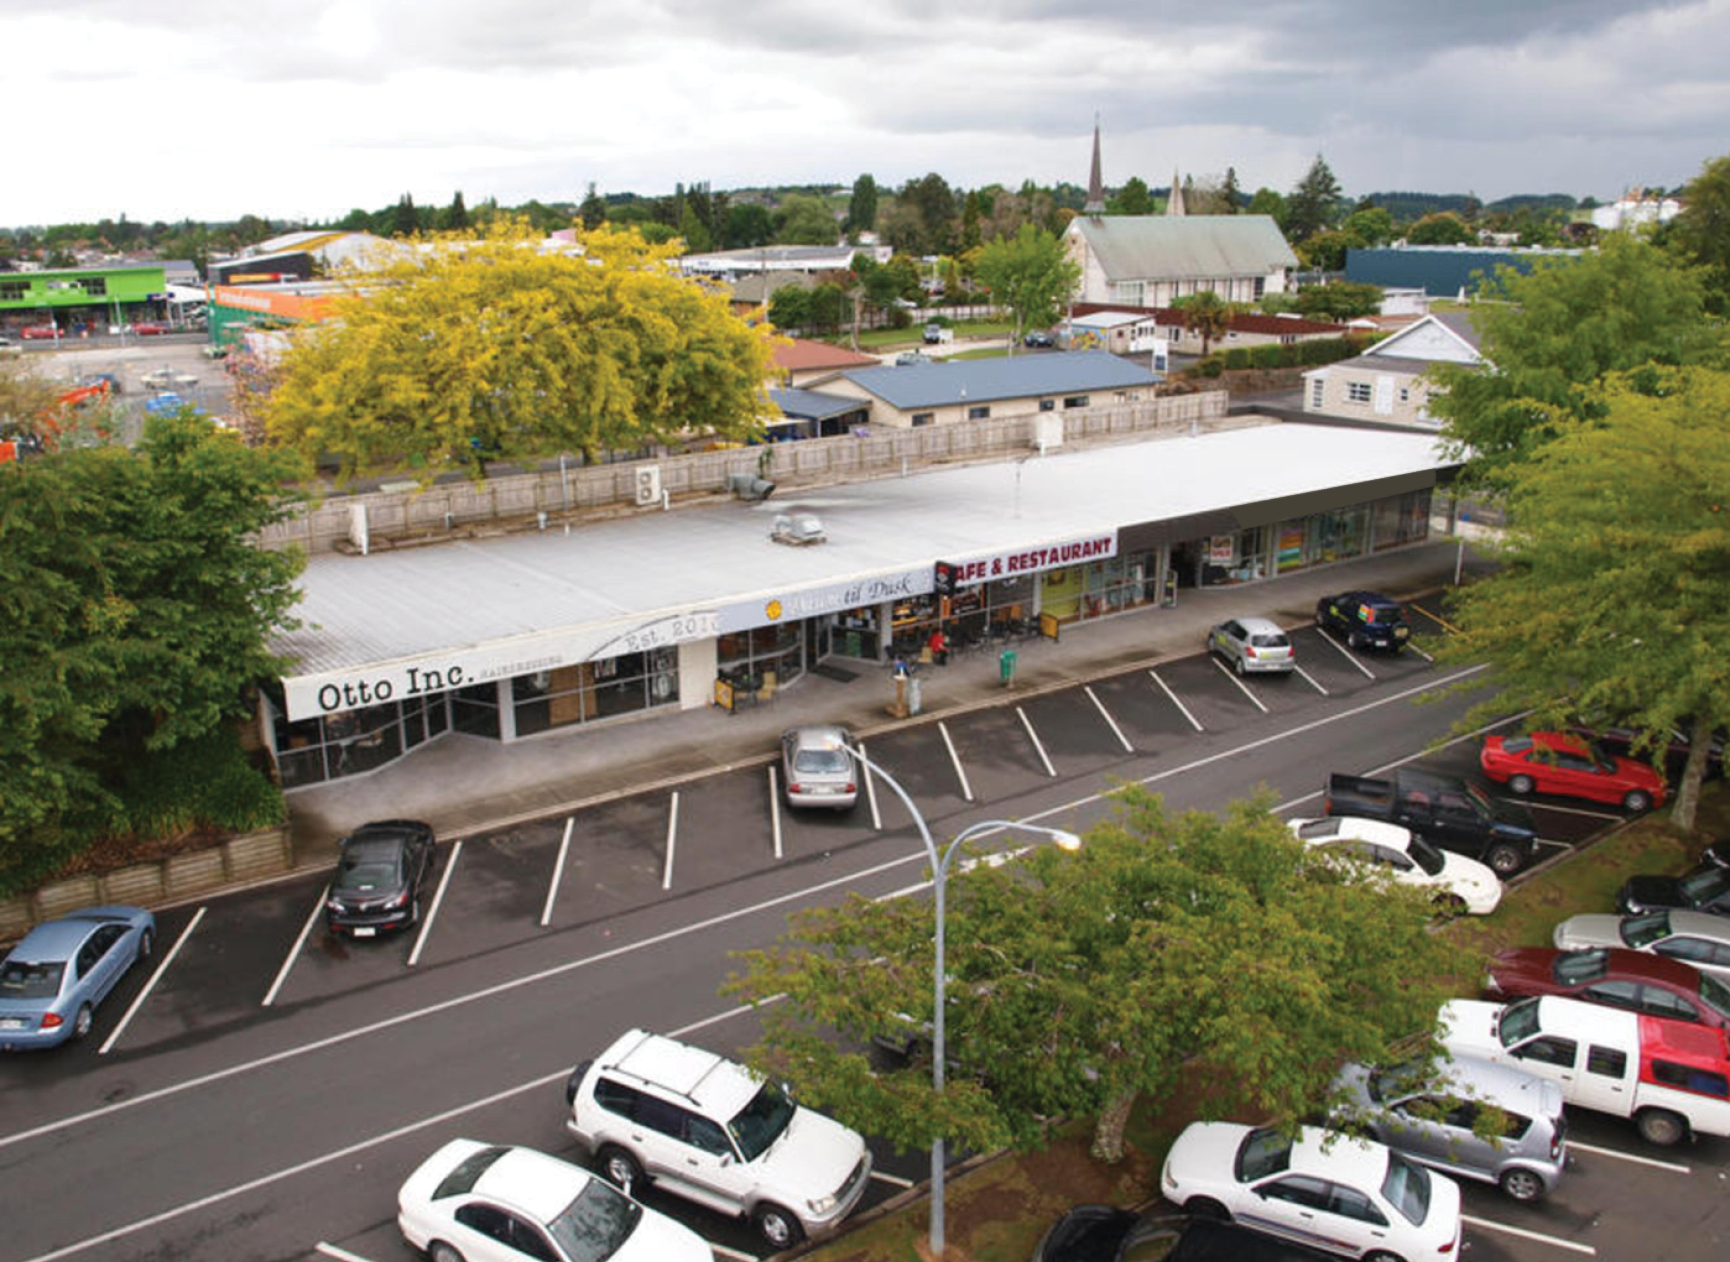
[[1553, 762], [38, 333], [149, 328], [1652, 985]]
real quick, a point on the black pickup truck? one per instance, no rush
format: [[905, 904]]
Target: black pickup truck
[[1444, 810]]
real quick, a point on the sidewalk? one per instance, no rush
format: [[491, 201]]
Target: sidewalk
[[464, 785]]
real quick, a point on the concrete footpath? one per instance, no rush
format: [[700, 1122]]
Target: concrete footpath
[[465, 785]]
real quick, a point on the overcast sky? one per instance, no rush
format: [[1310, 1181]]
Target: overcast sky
[[305, 109]]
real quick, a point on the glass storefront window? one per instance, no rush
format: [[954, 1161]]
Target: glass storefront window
[[352, 741], [601, 689], [744, 656]]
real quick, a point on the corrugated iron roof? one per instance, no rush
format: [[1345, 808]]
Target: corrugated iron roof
[[1164, 247], [951, 383]]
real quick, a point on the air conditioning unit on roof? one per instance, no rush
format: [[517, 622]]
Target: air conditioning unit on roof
[[648, 485]]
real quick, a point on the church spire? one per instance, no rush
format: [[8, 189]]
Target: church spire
[[1095, 184], [1174, 203]]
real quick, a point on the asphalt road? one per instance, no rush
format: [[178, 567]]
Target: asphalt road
[[272, 1089]]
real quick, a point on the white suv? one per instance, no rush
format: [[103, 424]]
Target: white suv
[[704, 1128]]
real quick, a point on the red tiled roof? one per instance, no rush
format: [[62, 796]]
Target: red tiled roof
[[1245, 323], [803, 356]]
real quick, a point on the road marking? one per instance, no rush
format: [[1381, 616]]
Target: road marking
[[151, 984], [1034, 737], [1182, 709], [432, 914], [955, 758], [672, 935], [672, 841], [774, 811], [558, 872], [870, 789], [341, 1255], [1561, 810], [294, 951], [1440, 621], [1111, 722], [725, 1252], [1346, 653], [1313, 682], [893, 1180], [1472, 735], [1523, 1234], [1673, 1167], [1241, 686], [1412, 648]]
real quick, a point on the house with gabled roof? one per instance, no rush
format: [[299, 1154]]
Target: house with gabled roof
[[800, 362], [1389, 381], [910, 395], [1150, 260]]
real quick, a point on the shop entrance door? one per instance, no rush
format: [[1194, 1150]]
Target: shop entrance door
[[818, 640]]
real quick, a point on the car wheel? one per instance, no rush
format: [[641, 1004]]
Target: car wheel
[[1355, 639], [777, 1226], [414, 912], [146, 944], [1522, 1185], [439, 1251], [1504, 860], [1637, 800], [1450, 906], [1238, 664], [1661, 1127], [620, 1169], [1520, 785], [82, 1022], [1206, 1207], [1382, 1255]]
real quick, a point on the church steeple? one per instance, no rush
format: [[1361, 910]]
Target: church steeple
[[1174, 203], [1095, 183]]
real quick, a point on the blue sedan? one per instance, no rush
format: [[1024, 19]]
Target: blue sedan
[[52, 981]]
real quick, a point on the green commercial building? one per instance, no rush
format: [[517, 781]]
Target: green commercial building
[[95, 296]]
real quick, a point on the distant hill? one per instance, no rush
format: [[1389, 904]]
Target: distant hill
[[1408, 207]]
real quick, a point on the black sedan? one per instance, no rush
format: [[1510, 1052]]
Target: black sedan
[[1364, 620], [1100, 1233], [380, 870], [1706, 888]]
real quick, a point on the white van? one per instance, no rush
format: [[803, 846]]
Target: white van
[[1671, 1077]]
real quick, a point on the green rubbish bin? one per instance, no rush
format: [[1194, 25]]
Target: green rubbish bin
[[1006, 667]]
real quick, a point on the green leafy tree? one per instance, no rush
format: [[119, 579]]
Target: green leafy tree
[[1339, 300], [1325, 251], [790, 307], [862, 205], [1613, 601], [1702, 231], [748, 225], [1206, 316], [405, 220], [488, 348], [593, 211], [1267, 202], [1314, 204], [1370, 224], [1132, 199], [694, 231], [1168, 949], [1554, 333], [805, 220], [134, 616], [456, 216], [1442, 228], [1230, 195], [1031, 275]]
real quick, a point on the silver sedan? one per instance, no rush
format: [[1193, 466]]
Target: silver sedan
[[1253, 645]]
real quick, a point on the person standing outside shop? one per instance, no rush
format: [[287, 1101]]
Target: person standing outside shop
[[939, 646]]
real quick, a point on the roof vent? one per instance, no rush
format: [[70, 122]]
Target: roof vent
[[798, 529], [750, 487]]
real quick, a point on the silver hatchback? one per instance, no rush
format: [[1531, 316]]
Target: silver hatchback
[[818, 768], [1253, 644], [1435, 1115]]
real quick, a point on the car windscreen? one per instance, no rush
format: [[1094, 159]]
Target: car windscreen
[[1407, 1189], [822, 762], [21, 980], [593, 1226], [1263, 1152], [761, 1122], [1518, 1022], [1715, 995], [1426, 856], [1576, 968], [367, 872], [461, 1181], [1643, 931], [1705, 885]]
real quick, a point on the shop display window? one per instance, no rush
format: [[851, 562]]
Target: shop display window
[[745, 658], [587, 691], [349, 742]]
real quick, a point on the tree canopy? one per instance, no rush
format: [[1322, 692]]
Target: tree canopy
[[1207, 316], [1314, 204], [485, 347], [1079, 981], [1030, 274], [134, 615], [1613, 602], [804, 219], [1702, 230], [1552, 333]]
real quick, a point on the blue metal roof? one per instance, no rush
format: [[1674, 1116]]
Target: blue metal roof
[[814, 405], [954, 382]]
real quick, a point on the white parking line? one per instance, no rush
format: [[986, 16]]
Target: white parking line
[[1523, 1234], [558, 872], [341, 1255], [725, 1252], [1313, 682], [1412, 648], [672, 841], [1346, 653], [1181, 708], [1560, 810], [151, 984], [1111, 722], [893, 1180], [870, 789], [774, 810], [1241, 686], [1673, 1167], [432, 912], [1034, 737], [955, 758], [294, 951], [730, 916]]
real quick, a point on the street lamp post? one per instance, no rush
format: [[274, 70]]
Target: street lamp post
[[939, 875]]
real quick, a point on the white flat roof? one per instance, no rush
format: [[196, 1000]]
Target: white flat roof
[[413, 602]]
